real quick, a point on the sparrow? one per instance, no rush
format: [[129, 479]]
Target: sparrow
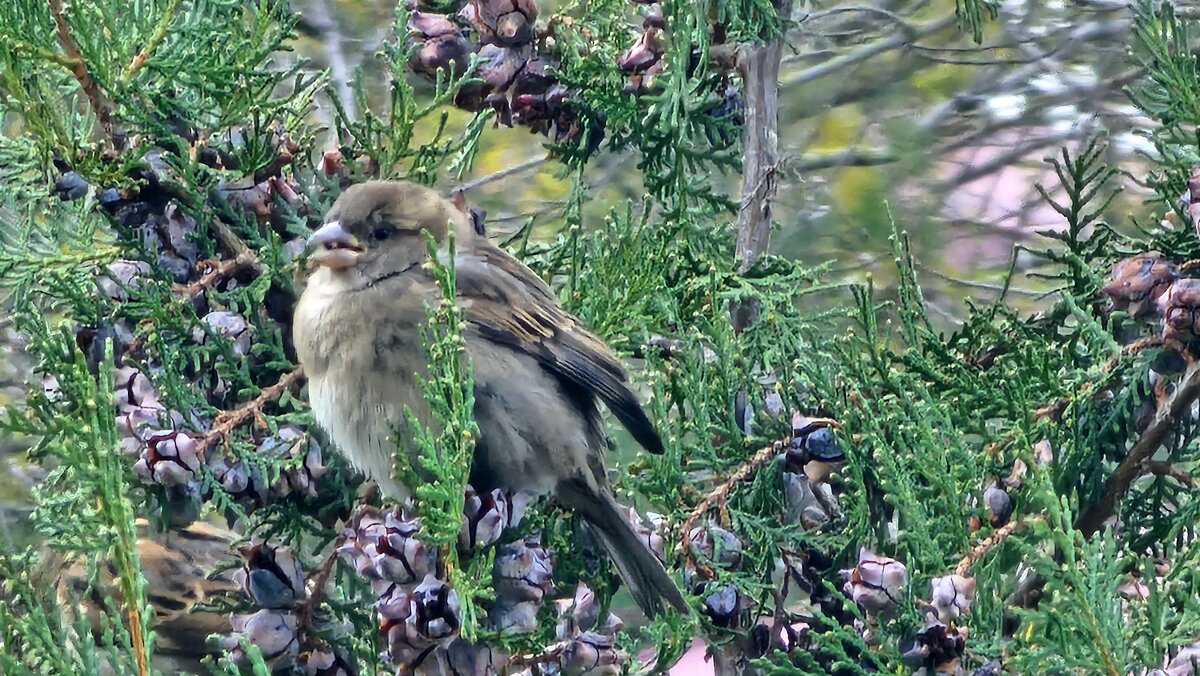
[[539, 374], [185, 568]]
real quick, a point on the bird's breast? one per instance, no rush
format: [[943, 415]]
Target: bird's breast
[[362, 353], [363, 425]]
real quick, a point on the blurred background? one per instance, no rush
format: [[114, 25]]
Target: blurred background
[[889, 111]]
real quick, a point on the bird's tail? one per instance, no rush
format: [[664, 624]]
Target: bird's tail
[[648, 582]]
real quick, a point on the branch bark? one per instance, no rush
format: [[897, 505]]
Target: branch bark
[[849, 157], [102, 106], [759, 68], [869, 51], [230, 420], [718, 496], [1135, 464]]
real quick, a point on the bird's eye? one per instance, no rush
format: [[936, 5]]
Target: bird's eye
[[382, 232]]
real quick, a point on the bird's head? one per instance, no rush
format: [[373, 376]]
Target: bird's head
[[375, 229]]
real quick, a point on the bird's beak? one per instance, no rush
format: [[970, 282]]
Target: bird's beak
[[333, 247]]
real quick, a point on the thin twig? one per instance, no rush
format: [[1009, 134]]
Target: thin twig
[[503, 173], [868, 51], [896, 19], [718, 495], [102, 106], [849, 157], [1170, 470], [215, 272], [156, 37], [1065, 41], [987, 286], [1134, 465], [230, 420], [234, 244], [309, 606], [986, 545], [1051, 410]]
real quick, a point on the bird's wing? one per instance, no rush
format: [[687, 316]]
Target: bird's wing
[[510, 305], [498, 261]]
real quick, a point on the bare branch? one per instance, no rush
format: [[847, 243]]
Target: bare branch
[[1019, 152], [102, 106], [230, 420], [504, 173], [156, 37], [850, 157], [759, 68], [988, 544], [1134, 465], [214, 273], [986, 286], [720, 494], [868, 51], [1079, 37], [900, 21], [235, 245], [322, 21]]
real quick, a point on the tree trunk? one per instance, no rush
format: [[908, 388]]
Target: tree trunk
[[759, 68]]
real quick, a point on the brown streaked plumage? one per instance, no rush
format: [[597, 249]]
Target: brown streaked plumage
[[493, 285], [539, 374], [180, 567]]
